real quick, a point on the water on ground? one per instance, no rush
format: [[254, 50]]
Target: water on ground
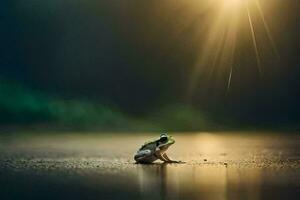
[[219, 166]]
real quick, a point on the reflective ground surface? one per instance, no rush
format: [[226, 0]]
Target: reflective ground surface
[[231, 166]]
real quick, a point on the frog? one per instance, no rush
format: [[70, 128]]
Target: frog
[[155, 150]]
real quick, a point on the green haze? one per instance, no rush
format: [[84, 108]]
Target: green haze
[[21, 106]]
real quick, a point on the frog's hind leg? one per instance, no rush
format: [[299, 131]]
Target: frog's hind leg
[[144, 157]]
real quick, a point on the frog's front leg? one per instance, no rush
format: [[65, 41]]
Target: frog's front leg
[[163, 157], [168, 159], [160, 156]]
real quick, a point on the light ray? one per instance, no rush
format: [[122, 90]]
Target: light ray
[[231, 47], [213, 43], [229, 79], [266, 26], [254, 39]]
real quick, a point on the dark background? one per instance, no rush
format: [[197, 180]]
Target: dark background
[[129, 55]]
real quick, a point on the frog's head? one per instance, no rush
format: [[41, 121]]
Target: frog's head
[[165, 141]]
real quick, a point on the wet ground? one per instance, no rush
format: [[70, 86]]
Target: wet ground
[[74, 166]]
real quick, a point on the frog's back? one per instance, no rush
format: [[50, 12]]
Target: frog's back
[[149, 145]]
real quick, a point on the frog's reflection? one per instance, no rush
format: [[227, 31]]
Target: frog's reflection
[[167, 181], [153, 181]]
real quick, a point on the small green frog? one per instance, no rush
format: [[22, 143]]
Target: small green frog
[[154, 150]]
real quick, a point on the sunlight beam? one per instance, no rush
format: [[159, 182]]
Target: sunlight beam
[[254, 40], [216, 59], [266, 26]]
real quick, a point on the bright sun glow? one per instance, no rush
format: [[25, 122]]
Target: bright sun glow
[[233, 3], [218, 53]]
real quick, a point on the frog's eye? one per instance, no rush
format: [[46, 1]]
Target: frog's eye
[[163, 139]]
